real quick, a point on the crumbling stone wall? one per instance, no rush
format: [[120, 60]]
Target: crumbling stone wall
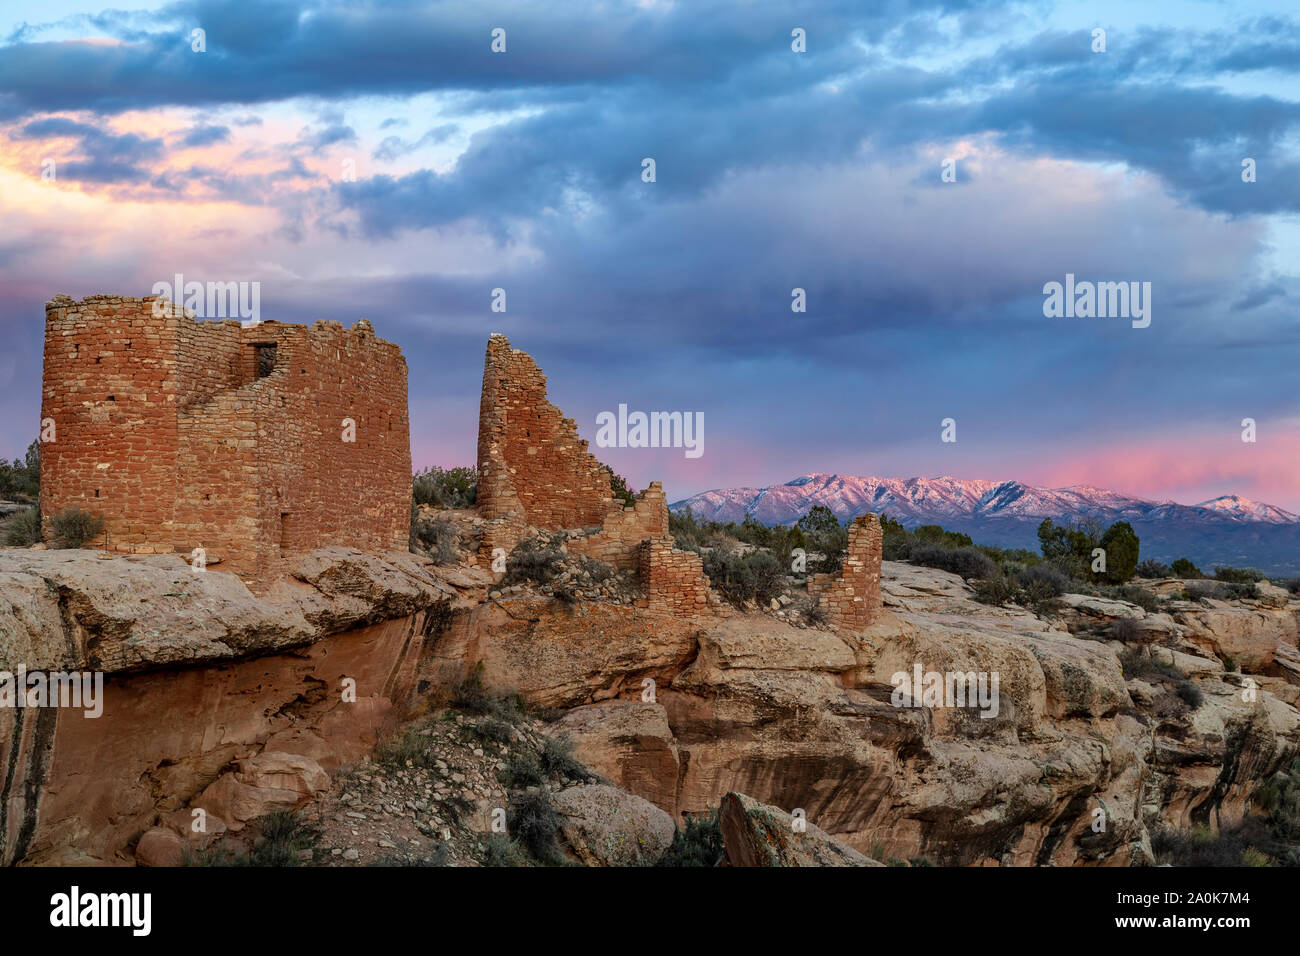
[[535, 471], [851, 599], [672, 580], [185, 434]]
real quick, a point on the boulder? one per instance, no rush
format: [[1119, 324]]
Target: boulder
[[754, 834], [160, 846], [605, 826]]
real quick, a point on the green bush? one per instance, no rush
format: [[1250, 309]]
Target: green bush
[[1153, 569], [700, 844], [1182, 568], [997, 589], [73, 528], [1238, 575], [437, 537], [1133, 594], [1189, 694], [445, 487], [503, 851], [533, 821], [557, 760], [968, 562], [533, 561], [769, 575], [1120, 542], [23, 528]]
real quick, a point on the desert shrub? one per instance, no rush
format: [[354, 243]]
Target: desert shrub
[[557, 760], [769, 575], [21, 480], [23, 528], [1242, 591], [438, 855], [1201, 846], [685, 529], [445, 487], [731, 576], [408, 745], [1189, 694], [1133, 594], [1182, 568], [1206, 590], [1291, 584], [1151, 568], [283, 836], [503, 851], [1238, 575], [700, 844], [1125, 629], [522, 770], [1136, 664], [438, 537], [824, 534], [494, 730], [967, 562], [536, 825], [73, 527], [816, 613], [1043, 581], [533, 561], [618, 485], [996, 589], [470, 695]]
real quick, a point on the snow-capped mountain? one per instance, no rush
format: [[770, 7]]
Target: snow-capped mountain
[[1227, 530]]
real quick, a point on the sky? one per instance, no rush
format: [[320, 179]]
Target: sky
[[381, 161]]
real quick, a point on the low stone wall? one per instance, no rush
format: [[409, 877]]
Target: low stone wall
[[672, 580], [851, 599]]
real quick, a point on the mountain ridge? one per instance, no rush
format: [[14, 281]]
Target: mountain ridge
[[1229, 529]]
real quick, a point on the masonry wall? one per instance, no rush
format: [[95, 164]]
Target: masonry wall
[[529, 454], [672, 580], [164, 428], [851, 599], [535, 471]]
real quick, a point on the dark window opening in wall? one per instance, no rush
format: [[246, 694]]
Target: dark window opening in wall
[[265, 352], [96, 492], [284, 531], [111, 398]]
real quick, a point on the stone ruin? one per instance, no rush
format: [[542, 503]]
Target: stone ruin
[[185, 434], [535, 472], [259, 444], [852, 597]]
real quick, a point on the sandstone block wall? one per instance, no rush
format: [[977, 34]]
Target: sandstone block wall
[[672, 580], [535, 471], [852, 598], [185, 434], [625, 528]]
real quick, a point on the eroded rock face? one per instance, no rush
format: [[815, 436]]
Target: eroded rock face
[[757, 835], [84, 789], [1069, 769], [65, 610]]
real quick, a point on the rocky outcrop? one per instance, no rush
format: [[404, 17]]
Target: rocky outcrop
[[73, 610], [278, 690], [606, 826], [757, 835]]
